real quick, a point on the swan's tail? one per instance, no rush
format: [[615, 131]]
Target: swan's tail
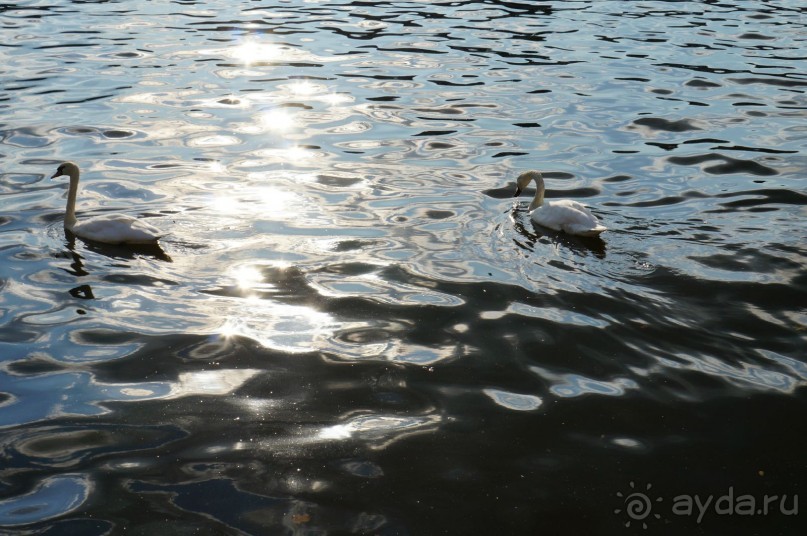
[[594, 231]]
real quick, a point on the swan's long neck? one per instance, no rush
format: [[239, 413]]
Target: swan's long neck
[[538, 200], [70, 213]]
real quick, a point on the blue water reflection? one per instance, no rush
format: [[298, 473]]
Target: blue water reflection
[[53, 497]]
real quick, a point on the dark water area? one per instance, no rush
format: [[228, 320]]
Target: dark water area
[[351, 327]]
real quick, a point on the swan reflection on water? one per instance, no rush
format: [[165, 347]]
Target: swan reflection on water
[[113, 251], [83, 292]]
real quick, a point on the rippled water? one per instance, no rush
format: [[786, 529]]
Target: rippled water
[[352, 327]]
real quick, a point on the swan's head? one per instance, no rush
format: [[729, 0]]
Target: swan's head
[[68, 168], [525, 178]]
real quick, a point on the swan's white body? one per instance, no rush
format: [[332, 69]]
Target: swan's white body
[[108, 228], [562, 215]]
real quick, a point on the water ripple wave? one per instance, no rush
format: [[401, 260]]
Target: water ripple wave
[[350, 319]]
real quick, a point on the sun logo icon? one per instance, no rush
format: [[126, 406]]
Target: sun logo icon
[[637, 505]]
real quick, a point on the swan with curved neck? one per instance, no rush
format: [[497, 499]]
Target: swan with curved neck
[[560, 215], [107, 228]]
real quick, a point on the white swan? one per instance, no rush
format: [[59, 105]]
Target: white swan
[[561, 215], [108, 228]]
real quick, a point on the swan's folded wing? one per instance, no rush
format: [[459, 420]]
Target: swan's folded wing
[[117, 229], [569, 216]]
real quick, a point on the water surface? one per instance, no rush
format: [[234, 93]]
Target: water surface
[[352, 327]]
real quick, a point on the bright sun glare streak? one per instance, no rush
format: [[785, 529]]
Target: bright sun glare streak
[[257, 202], [250, 52], [290, 328], [211, 382], [277, 120], [276, 201], [304, 88], [216, 167], [298, 154], [338, 431], [247, 277], [334, 99], [224, 204]]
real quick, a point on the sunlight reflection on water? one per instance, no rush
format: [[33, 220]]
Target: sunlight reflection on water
[[379, 430], [251, 51], [348, 289]]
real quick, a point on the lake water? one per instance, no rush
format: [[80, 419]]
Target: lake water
[[352, 327]]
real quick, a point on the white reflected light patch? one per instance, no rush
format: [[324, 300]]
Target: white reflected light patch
[[224, 203], [297, 154], [250, 52], [335, 99], [247, 276], [515, 401], [627, 442], [338, 431], [574, 385], [211, 382], [276, 201], [216, 167], [213, 141], [289, 328], [378, 428], [304, 88], [277, 120], [261, 202]]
